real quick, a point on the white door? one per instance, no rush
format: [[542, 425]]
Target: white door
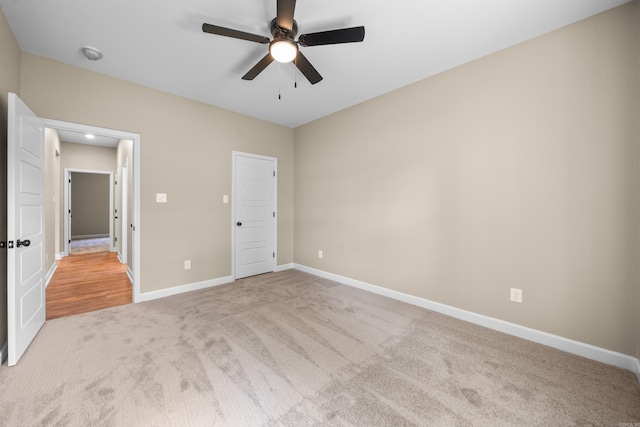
[[25, 227], [255, 214]]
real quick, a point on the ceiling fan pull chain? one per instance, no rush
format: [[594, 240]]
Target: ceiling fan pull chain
[[279, 82]]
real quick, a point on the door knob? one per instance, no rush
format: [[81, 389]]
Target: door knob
[[23, 243], [238, 223]]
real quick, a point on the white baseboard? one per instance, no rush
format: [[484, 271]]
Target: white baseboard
[[570, 346], [49, 275], [59, 256], [284, 267], [129, 273], [89, 236], [148, 296], [3, 352]]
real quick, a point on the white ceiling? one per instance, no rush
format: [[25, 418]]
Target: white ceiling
[[81, 138], [161, 44]]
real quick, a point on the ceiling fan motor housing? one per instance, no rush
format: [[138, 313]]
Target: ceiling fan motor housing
[[282, 33], [283, 47]]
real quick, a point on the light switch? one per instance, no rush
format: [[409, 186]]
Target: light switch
[[161, 197], [225, 199]]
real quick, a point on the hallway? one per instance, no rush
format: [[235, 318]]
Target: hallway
[[87, 282]]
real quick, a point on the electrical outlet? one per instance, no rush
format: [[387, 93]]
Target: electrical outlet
[[320, 253], [161, 197], [516, 295], [187, 264]]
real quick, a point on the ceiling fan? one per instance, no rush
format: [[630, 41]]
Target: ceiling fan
[[284, 47]]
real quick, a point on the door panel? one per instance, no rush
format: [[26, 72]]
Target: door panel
[[254, 198], [25, 221]]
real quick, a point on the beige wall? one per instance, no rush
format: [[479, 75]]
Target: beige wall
[[186, 151], [516, 170], [52, 195], [88, 157], [90, 202], [9, 82]]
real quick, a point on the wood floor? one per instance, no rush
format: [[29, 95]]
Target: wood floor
[[87, 282]]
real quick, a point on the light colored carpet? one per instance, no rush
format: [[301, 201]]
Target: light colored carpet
[[89, 246], [292, 349]]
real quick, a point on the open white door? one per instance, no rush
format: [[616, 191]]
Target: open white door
[[25, 227]]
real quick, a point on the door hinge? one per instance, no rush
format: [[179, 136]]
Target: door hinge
[[274, 214], [274, 254], [274, 173]]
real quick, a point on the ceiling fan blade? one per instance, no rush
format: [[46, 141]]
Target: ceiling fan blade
[[344, 35], [258, 68], [307, 69], [284, 17], [228, 32]]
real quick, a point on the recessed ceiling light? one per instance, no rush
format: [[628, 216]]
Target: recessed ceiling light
[[91, 53], [90, 136]]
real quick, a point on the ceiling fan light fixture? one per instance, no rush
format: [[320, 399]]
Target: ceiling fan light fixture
[[283, 50]]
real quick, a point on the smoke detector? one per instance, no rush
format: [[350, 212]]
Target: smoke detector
[[91, 53]]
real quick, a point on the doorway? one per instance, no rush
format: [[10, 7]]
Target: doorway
[[88, 210], [127, 245]]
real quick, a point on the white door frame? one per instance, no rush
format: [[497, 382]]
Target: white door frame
[[135, 221], [234, 155], [67, 205], [116, 216]]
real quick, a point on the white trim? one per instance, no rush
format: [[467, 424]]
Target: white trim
[[148, 296], [3, 352], [59, 256], [570, 346], [89, 236], [284, 267], [49, 275], [129, 274], [135, 221]]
